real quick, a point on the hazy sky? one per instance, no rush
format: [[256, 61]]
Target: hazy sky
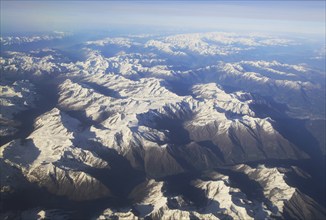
[[273, 16]]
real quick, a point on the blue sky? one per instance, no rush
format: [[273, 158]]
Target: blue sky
[[265, 16]]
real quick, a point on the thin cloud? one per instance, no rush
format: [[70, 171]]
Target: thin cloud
[[288, 16]]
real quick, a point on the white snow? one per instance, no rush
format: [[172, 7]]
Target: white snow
[[273, 183]]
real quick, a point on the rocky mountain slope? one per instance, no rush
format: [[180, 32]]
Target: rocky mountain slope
[[167, 127]]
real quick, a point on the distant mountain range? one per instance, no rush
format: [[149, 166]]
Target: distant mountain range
[[190, 126]]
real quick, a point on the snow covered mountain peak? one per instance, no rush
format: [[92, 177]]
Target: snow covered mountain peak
[[163, 127]]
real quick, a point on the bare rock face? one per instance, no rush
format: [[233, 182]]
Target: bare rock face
[[151, 199], [229, 123], [15, 98], [144, 121], [50, 159], [222, 199], [163, 126], [74, 184], [285, 201], [123, 214], [275, 189], [301, 206], [156, 161]]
